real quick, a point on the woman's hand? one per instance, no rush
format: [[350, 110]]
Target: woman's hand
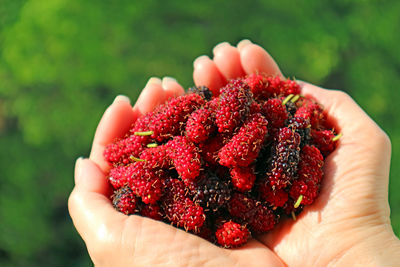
[[115, 239], [349, 223]]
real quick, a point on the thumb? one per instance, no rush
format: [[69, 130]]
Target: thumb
[[89, 205]]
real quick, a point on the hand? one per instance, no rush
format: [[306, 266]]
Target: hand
[[349, 223], [114, 239]]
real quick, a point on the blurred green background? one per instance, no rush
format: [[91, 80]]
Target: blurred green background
[[62, 63]]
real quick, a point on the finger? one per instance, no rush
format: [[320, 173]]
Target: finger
[[115, 123], [152, 95], [227, 59], [171, 88], [206, 73], [243, 43], [256, 250], [254, 59], [89, 205]]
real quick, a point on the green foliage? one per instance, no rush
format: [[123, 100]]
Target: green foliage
[[62, 62]]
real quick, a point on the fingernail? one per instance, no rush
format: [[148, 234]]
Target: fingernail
[[122, 98], [154, 80], [243, 43], [219, 46], [78, 169], [168, 79], [199, 59]]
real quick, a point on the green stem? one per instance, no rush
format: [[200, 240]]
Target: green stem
[[298, 202], [136, 159], [143, 133], [337, 137], [152, 145], [295, 98], [287, 99]]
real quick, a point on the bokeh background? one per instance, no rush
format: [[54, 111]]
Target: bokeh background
[[62, 62]]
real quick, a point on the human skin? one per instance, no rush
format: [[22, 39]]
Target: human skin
[[347, 225]]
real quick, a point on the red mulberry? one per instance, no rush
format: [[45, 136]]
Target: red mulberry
[[156, 157], [323, 140], [234, 105], [124, 200], [243, 178], [232, 234], [170, 119], [200, 125], [185, 156], [285, 158], [309, 175], [275, 113], [244, 147], [146, 182], [180, 209]]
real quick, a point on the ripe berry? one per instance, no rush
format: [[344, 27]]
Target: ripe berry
[[232, 234], [309, 175], [203, 91], [156, 157], [285, 157], [234, 105], [243, 178], [212, 192], [185, 157], [243, 148], [179, 209], [170, 119], [200, 125], [124, 200], [323, 140], [275, 113]]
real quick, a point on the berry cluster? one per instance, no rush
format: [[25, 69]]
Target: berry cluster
[[226, 166]]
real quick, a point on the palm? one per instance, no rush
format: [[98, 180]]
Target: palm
[[114, 239], [352, 196], [319, 235]]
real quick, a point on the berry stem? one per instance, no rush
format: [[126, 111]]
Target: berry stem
[[295, 98], [337, 137], [287, 99], [144, 133], [136, 159], [152, 145], [298, 202], [293, 216]]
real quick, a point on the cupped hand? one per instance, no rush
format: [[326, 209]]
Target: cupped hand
[[349, 223], [115, 239]]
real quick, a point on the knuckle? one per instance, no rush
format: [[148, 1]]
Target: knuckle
[[384, 139], [341, 95]]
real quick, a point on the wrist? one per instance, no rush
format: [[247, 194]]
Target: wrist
[[378, 250]]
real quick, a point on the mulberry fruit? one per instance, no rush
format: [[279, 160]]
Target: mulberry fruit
[[212, 192], [124, 200], [309, 175], [232, 234], [185, 157], [243, 178], [181, 210], [223, 166], [200, 125], [203, 91], [243, 148], [234, 105], [275, 113], [285, 158], [170, 119]]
